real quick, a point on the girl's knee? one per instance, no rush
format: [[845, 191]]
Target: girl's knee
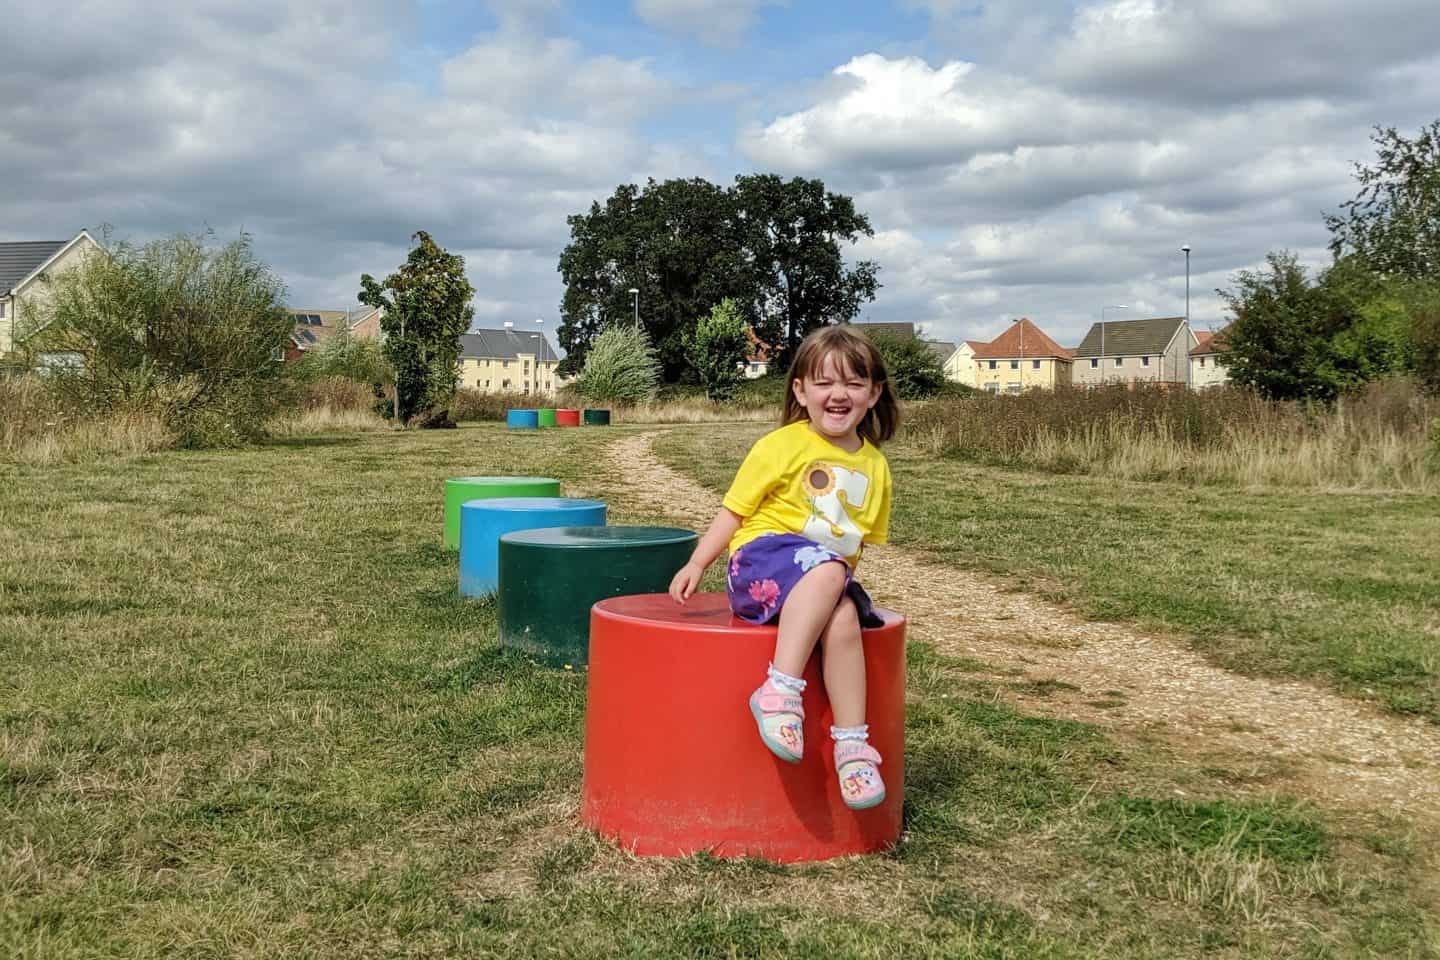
[[844, 624]]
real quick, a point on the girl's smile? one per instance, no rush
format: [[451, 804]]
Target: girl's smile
[[836, 399]]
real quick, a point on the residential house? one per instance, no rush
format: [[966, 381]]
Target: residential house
[[757, 357], [26, 271], [1022, 358], [960, 365], [1204, 370], [508, 361], [1156, 350], [314, 327], [893, 329], [942, 350]]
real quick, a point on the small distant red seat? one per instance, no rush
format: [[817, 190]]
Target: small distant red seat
[[673, 762]]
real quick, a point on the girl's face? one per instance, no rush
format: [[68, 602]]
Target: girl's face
[[836, 399]]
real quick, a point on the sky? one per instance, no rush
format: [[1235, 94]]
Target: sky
[[1030, 158]]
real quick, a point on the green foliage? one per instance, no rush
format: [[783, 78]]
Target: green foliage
[[427, 309], [914, 368], [1393, 223], [621, 366], [1279, 331], [716, 349], [176, 327], [771, 245], [344, 355]]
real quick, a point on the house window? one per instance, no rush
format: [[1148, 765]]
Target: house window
[[992, 388], [505, 364], [1034, 364], [1013, 386], [487, 384], [992, 364], [1202, 361], [1119, 361], [505, 384], [1144, 361], [2, 309], [1094, 363], [1014, 364]]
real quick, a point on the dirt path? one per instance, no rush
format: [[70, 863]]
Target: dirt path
[[1290, 736]]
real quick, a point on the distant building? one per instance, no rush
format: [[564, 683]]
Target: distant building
[[1156, 350], [26, 271], [1205, 371], [897, 329], [757, 357], [960, 365], [1022, 358], [314, 327], [508, 361]]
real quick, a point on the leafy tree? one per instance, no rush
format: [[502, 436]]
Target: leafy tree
[[792, 234], [621, 366], [915, 369], [176, 326], [676, 242], [1279, 336], [427, 309], [1393, 223], [716, 349], [771, 245], [342, 354]]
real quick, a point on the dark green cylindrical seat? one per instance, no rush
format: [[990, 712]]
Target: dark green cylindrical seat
[[596, 418], [458, 490], [549, 579]]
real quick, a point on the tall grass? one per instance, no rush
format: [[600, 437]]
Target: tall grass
[[36, 429], [1382, 438]]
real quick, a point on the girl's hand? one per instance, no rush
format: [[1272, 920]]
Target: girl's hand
[[685, 581]]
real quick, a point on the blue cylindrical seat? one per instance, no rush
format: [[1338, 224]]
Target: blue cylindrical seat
[[522, 419], [483, 521]]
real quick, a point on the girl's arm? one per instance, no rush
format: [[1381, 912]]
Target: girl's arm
[[722, 528]]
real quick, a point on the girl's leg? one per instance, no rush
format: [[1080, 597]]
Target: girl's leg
[[776, 705], [805, 615], [843, 661]]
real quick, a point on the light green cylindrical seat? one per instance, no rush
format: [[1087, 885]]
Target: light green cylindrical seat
[[460, 489]]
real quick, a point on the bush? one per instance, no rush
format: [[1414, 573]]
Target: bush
[[343, 354], [620, 367], [471, 405], [716, 349], [914, 368], [175, 329]]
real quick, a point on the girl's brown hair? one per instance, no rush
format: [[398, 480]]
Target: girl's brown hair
[[857, 355]]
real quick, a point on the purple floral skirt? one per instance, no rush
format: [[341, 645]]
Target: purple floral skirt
[[764, 571]]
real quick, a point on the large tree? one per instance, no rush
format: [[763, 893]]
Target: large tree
[[675, 242], [427, 308], [771, 245], [792, 234], [1393, 223]]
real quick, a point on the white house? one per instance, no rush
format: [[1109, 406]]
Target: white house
[[1205, 371], [26, 271], [1156, 350], [960, 365]]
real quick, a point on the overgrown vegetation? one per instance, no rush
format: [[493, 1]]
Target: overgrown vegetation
[[176, 330], [1378, 438]]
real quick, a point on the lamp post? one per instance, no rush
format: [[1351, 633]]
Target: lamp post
[[1113, 306], [635, 292], [1186, 250]]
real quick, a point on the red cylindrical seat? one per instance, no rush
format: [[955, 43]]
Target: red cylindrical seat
[[673, 761], [565, 417]]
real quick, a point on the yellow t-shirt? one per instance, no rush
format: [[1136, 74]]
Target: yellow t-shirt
[[795, 481]]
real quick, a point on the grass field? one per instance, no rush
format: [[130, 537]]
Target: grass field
[[244, 713], [1337, 587]]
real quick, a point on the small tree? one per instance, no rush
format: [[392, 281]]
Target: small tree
[[914, 368], [427, 309], [177, 327], [716, 349], [344, 355], [621, 366]]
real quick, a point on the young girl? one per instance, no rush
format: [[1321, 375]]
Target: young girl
[[805, 500]]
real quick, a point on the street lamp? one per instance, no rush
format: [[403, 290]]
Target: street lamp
[[635, 292], [1186, 250], [1113, 306]]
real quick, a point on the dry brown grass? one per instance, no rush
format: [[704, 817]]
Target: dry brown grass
[[690, 410], [317, 420], [1382, 439], [36, 431]]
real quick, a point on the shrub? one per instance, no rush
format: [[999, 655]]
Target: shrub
[[472, 405], [716, 349], [176, 329], [914, 368], [620, 367], [343, 354]]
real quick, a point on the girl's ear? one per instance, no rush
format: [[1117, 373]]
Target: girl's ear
[[797, 387], [876, 389]]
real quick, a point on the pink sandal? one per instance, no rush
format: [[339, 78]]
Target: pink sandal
[[860, 784], [786, 739]]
